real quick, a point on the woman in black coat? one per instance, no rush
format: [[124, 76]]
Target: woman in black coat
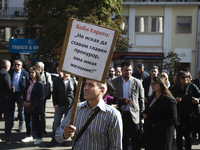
[[32, 97], [187, 97], [160, 117]]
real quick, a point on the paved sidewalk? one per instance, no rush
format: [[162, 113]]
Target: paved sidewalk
[[17, 144]]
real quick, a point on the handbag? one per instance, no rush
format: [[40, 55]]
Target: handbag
[[30, 109]]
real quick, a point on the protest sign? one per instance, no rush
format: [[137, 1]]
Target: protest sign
[[87, 52]]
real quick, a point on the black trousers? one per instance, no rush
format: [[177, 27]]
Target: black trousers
[[129, 127], [42, 114], [183, 129], [8, 117], [35, 118], [18, 98]]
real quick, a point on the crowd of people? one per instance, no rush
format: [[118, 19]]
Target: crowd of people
[[29, 90], [109, 116], [167, 105]]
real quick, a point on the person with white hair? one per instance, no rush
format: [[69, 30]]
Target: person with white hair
[[6, 100], [19, 79], [46, 79]]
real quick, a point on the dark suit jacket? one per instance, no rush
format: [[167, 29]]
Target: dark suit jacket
[[163, 115], [62, 97], [146, 84], [142, 76], [196, 82], [6, 101], [186, 108], [36, 93], [136, 94], [23, 79]]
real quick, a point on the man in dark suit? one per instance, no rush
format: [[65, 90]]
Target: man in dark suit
[[130, 87], [140, 73], [19, 81], [64, 90], [6, 100], [197, 83], [147, 82]]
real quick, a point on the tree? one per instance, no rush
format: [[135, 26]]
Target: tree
[[169, 62], [53, 17]]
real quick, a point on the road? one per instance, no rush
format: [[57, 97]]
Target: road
[[17, 144]]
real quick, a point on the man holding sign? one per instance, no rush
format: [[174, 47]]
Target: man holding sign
[[104, 131]]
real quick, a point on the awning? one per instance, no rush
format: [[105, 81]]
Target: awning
[[133, 55]]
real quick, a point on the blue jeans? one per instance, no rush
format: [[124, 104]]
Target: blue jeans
[[57, 119]]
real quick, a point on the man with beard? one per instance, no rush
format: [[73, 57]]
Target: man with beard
[[111, 74], [131, 88]]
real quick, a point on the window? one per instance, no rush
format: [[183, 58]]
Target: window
[[124, 25], [32, 33], [184, 24], [2, 34], [6, 33], [141, 24], [157, 24]]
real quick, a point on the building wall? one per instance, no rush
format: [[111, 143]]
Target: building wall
[[15, 3], [185, 42], [169, 40]]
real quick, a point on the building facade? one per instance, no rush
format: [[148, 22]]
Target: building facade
[[156, 27], [13, 26]]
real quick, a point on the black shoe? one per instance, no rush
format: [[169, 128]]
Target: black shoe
[[44, 132], [9, 141], [52, 143], [66, 143]]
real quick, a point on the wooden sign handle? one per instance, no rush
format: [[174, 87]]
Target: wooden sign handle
[[78, 89]]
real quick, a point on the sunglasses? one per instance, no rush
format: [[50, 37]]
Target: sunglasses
[[183, 77], [17, 64]]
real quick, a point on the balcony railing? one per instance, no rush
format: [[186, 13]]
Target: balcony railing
[[161, 1], [12, 12]]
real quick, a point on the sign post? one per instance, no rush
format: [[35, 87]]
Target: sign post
[[87, 52]]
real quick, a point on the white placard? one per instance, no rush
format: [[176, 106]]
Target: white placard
[[88, 50]]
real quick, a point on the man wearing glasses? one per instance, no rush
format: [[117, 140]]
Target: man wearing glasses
[[111, 73], [19, 80]]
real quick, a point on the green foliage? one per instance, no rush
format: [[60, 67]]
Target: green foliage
[[169, 62], [53, 16]]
